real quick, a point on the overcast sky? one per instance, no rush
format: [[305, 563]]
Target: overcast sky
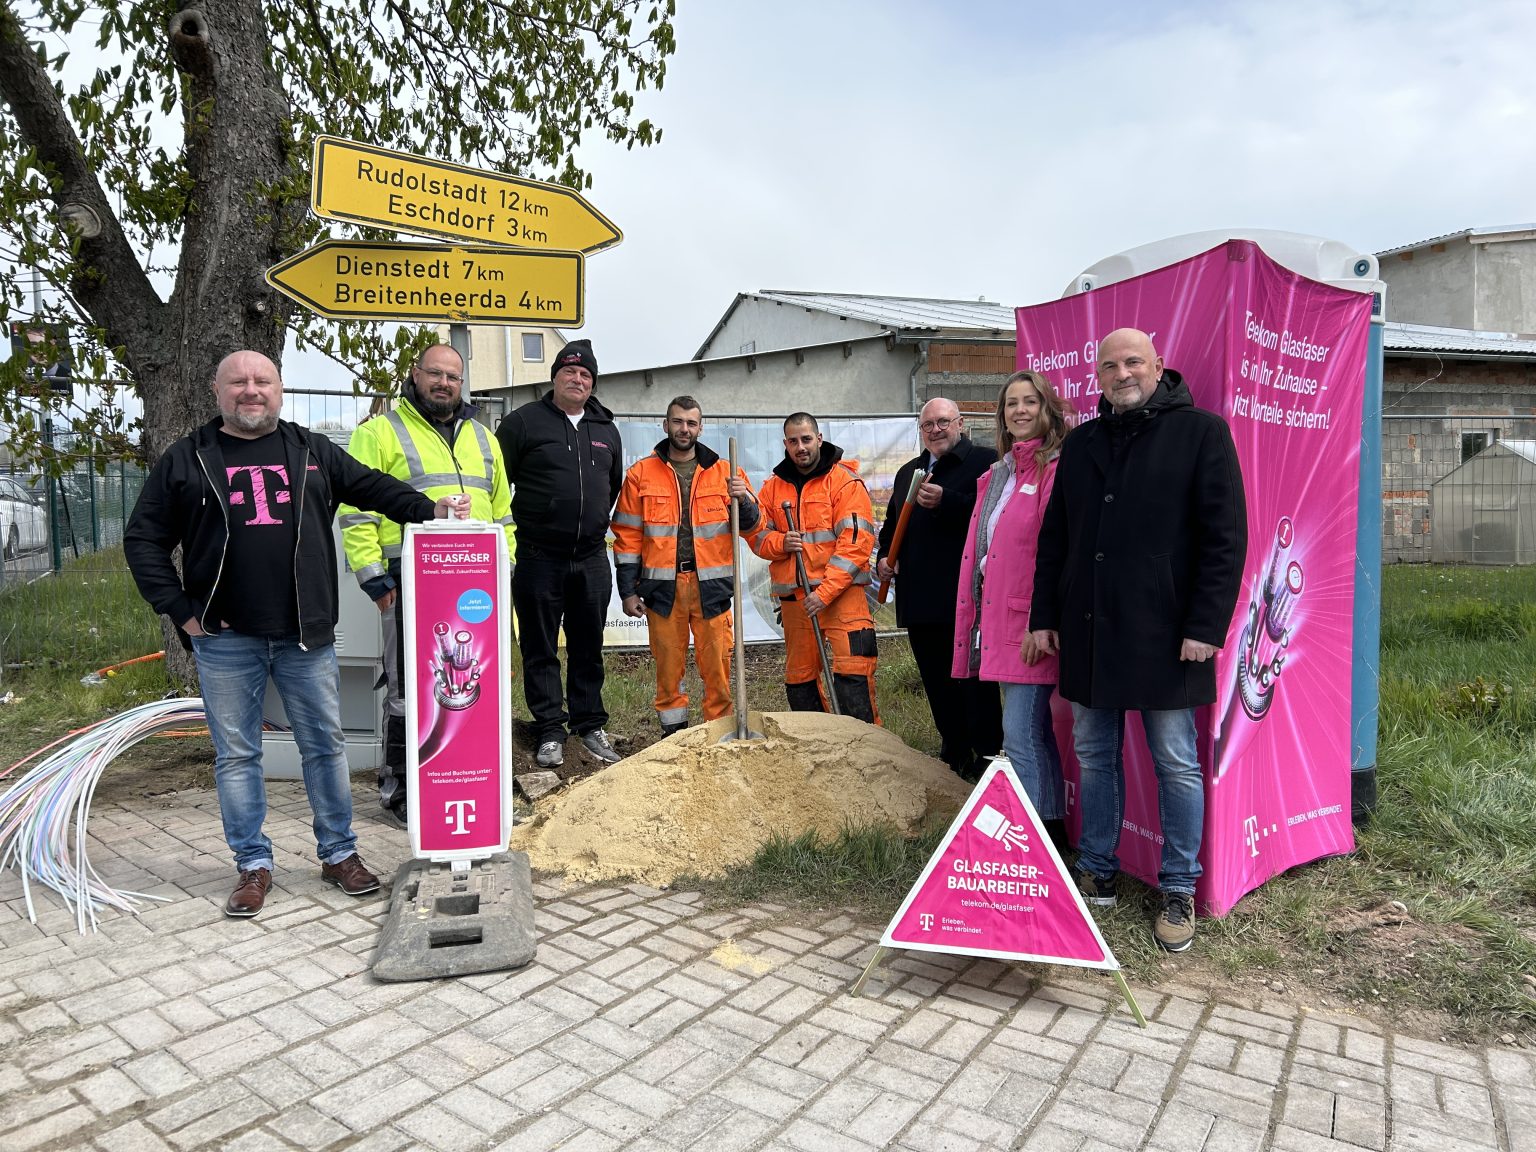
[[992, 148], [910, 147]]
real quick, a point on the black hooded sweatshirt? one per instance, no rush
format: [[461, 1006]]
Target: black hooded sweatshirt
[[565, 479]]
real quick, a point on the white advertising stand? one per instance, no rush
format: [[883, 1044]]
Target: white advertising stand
[[458, 689], [464, 904]]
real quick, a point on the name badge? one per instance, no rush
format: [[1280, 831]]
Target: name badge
[[1028, 489]]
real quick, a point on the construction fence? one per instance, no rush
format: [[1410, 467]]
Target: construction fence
[[1458, 489]]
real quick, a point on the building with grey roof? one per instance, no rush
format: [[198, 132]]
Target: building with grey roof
[[775, 351], [1481, 279]]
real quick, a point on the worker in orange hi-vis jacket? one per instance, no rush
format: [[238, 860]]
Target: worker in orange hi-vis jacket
[[834, 532], [672, 556]]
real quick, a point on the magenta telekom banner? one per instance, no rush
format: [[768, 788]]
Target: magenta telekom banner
[[1283, 359], [458, 689]]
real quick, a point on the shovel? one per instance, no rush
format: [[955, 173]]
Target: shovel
[[821, 639], [739, 697]]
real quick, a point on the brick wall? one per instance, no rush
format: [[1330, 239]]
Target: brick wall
[[967, 373]]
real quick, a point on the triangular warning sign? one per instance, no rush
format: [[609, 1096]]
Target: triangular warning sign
[[996, 887]]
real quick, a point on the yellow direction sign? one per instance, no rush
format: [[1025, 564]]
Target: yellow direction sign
[[446, 283], [407, 193]]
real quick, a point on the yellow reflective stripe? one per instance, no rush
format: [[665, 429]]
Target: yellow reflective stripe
[[432, 480], [413, 465], [483, 438]]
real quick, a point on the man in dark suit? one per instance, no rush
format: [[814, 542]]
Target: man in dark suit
[[1140, 562], [967, 713]]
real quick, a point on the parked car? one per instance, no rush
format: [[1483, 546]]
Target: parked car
[[23, 520]]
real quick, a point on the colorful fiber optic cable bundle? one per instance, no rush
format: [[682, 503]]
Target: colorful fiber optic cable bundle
[[47, 807]]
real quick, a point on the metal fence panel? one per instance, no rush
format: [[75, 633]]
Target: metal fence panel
[[1458, 489]]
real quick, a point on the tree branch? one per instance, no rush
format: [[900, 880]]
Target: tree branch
[[107, 278]]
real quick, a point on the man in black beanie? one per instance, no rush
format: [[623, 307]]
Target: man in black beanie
[[565, 463]]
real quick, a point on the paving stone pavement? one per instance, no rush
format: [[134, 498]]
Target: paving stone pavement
[[647, 1022]]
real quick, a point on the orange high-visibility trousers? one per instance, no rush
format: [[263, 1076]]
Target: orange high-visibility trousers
[[712, 640], [850, 633]]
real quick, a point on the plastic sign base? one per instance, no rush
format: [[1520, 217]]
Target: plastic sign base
[[456, 919]]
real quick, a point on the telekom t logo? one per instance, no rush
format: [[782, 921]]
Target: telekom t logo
[[926, 920], [460, 815], [1251, 834], [258, 481]]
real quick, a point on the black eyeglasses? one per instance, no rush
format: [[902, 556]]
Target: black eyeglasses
[[937, 425]]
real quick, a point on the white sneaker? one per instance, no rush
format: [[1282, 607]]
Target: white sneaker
[[551, 754], [600, 746]]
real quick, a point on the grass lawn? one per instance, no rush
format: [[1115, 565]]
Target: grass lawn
[[1430, 924]]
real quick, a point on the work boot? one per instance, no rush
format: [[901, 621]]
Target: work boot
[[1174, 928], [669, 729], [350, 875], [250, 893]]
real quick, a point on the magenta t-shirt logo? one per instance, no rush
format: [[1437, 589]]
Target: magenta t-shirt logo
[[250, 486], [259, 487]]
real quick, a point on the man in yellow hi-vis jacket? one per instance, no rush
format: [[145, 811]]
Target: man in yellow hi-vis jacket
[[431, 441]]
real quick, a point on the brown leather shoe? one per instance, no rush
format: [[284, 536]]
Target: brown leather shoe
[[350, 876], [249, 894]]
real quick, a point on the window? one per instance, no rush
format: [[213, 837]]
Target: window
[[1472, 443], [533, 346]]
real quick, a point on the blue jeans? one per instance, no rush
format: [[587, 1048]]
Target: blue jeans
[[1098, 734], [1029, 742], [233, 669]]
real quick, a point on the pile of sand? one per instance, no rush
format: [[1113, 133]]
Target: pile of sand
[[692, 804]]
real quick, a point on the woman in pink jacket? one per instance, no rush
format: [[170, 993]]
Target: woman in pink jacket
[[997, 579]]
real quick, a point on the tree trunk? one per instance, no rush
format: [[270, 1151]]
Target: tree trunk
[[239, 157]]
